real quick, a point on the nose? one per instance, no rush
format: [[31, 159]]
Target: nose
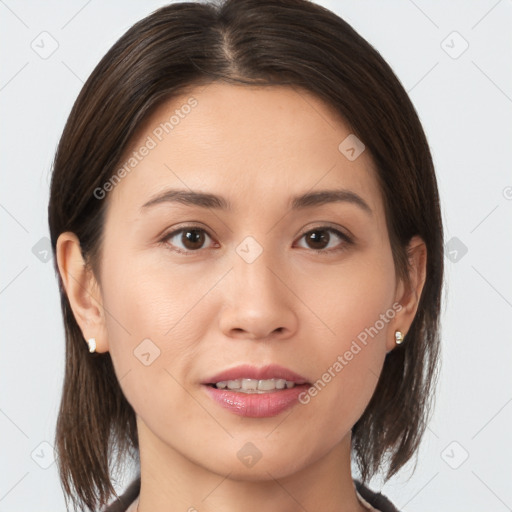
[[258, 301]]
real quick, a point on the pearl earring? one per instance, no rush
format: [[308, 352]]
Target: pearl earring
[[399, 337], [92, 344]]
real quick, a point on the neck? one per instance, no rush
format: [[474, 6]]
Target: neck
[[171, 482]]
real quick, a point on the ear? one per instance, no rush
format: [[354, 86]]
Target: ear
[[82, 290], [408, 294]]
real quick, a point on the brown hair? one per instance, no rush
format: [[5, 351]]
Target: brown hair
[[265, 42]]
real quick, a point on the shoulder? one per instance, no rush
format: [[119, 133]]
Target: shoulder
[[376, 500], [122, 503]]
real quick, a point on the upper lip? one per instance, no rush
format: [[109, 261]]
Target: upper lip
[[246, 371]]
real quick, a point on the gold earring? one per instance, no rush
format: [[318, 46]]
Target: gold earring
[[92, 344], [399, 337]]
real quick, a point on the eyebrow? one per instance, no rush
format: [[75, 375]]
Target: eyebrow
[[207, 200]]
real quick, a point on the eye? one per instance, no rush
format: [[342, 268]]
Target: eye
[[187, 239], [190, 239], [321, 239]]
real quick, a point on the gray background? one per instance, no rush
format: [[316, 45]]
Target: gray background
[[464, 98]]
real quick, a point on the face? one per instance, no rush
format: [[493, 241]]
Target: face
[[194, 287]]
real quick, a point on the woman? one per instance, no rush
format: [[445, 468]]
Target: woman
[[246, 225]]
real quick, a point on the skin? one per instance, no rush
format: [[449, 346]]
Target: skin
[[211, 310]]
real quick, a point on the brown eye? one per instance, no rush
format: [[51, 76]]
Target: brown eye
[[192, 238], [323, 240], [187, 239], [318, 239]]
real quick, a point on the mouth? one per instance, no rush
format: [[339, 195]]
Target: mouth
[[256, 392], [255, 386], [252, 379]]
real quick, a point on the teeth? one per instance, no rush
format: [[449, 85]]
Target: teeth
[[254, 385]]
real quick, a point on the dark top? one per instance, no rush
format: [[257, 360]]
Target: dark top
[[377, 500]]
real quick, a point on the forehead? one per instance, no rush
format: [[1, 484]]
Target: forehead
[[241, 141]]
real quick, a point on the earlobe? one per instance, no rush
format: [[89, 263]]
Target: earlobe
[[83, 292], [408, 293]]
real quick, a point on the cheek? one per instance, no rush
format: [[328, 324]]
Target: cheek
[[356, 304], [153, 330], [348, 299], [148, 298]]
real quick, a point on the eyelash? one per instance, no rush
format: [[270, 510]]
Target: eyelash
[[324, 252]]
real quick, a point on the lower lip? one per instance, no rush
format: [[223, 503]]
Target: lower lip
[[256, 405]]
